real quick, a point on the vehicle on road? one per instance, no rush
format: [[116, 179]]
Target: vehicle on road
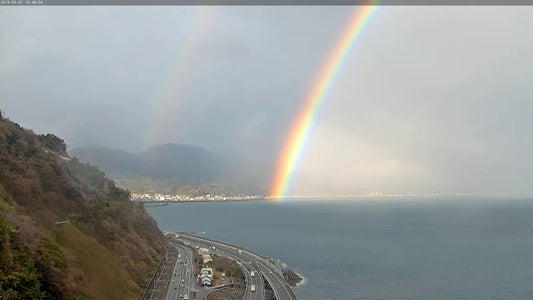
[[252, 288], [252, 273]]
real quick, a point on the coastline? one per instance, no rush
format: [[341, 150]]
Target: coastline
[[303, 281], [279, 283], [294, 279], [168, 202]]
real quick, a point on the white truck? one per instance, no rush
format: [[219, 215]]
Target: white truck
[[252, 288], [252, 273]]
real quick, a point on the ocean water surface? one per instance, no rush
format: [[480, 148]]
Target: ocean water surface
[[436, 248]]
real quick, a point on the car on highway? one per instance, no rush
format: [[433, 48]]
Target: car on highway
[[252, 288]]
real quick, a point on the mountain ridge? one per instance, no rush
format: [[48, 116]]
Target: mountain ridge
[[187, 163], [178, 169], [66, 231]]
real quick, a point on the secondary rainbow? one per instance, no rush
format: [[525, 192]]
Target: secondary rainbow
[[296, 140], [166, 107]]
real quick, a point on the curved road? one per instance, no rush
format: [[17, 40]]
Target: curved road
[[251, 261], [246, 265], [181, 281], [256, 280]]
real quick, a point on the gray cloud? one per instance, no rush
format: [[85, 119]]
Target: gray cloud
[[430, 99]]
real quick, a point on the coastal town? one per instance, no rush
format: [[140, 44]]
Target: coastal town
[[156, 197]]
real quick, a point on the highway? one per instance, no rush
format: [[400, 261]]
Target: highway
[[256, 280], [246, 265], [261, 266], [181, 280]]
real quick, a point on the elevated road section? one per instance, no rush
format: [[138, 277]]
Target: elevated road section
[[262, 267], [252, 274]]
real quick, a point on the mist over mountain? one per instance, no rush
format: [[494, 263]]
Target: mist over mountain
[[178, 165], [189, 164], [426, 101]]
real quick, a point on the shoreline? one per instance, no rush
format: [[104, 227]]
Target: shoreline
[[293, 279], [303, 281], [260, 263], [168, 202]]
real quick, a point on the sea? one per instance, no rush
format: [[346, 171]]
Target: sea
[[379, 248]]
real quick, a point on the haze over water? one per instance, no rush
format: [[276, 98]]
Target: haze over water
[[461, 248]]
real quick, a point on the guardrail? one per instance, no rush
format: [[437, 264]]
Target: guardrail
[[258, 256], [266, 259], [215, 289], [229, 246], [153, 276]]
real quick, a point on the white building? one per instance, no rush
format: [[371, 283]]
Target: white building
[[206, 258], [206, 276], [203, 251]]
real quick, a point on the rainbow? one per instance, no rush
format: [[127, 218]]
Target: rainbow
[[167, 102], [296, 140]]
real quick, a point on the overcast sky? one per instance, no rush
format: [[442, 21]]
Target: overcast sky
[[429, 100]]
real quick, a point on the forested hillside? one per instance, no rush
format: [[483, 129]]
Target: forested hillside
[[109, 247]]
